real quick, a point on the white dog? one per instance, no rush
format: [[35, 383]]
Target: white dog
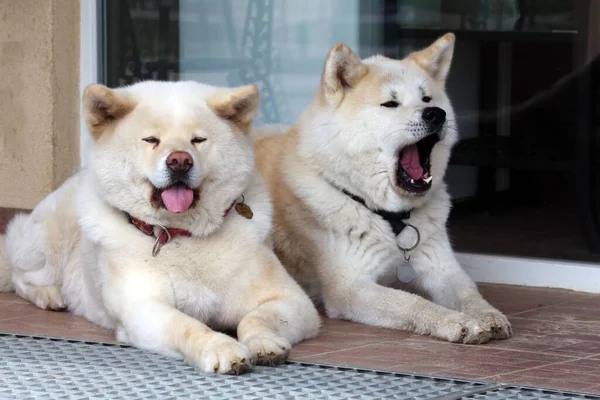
[[165, 233], [360, 202]]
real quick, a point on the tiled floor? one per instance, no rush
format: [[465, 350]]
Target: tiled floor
[[556, 340]]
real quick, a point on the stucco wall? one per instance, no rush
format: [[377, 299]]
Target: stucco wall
[[39, 98]]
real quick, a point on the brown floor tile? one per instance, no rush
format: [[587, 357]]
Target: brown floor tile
[[334, 341], [591, 303], [552, 338], [581, 349], [344, 327], [6, 298], [585, 367], [593, 389], [18, 310], [70, 329], [517, 299], [456, 374], [572, 375], [559, 373], [522, 325], [564, 314], [20, 316]]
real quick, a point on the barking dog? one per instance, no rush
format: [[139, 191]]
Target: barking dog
[[360, 201]]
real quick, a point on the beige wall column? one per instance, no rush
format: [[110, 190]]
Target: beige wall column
[[39, 98]]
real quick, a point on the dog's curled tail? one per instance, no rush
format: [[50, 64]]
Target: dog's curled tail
[[6, 284], [266, 131]]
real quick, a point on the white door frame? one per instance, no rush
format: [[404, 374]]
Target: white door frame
[[572, 275], [483, 268], [89, 62]]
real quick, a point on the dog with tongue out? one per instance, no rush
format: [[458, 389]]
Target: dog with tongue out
[[164, 235]]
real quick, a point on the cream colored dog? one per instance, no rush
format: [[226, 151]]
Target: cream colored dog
[[360, 201], [165, 233]]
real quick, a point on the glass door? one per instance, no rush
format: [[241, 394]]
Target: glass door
[[525, 85]]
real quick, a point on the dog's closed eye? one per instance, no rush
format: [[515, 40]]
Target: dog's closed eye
[[151, 139], [390, 104], [198, 140]]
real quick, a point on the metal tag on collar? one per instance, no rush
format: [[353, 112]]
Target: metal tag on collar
[[244, 209], [157, 244], [406, 272]]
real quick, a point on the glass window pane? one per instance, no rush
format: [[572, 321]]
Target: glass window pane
[[524, 84]]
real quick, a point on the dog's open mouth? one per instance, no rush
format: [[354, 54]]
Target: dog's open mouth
[[177, 198], [413, 172]]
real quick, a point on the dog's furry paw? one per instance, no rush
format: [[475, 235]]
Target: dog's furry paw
[[224, 355], [460, 328], [495, 322], [46, 297], [268, 349]]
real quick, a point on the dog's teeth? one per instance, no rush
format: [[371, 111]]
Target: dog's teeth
[[412, 181], [427, 180]]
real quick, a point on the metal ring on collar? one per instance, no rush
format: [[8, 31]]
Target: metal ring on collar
[[407, 249], [157, 243]]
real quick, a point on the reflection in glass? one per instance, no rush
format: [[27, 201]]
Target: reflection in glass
[[524, 83]]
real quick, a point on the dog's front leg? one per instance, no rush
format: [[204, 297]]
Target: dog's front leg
[[261, 330], [156, 326], [284, 316], [441, 277], [369, 303]]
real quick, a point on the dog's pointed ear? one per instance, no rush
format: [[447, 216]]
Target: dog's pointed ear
[[343, 70], [436, 59], [103, 107], [238, 106]]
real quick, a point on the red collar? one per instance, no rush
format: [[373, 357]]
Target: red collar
[[166, 234], [229, 209]]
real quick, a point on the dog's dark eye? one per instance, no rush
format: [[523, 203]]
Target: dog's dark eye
[[426, 99], [390, 104], [198, 139], [151, 139]]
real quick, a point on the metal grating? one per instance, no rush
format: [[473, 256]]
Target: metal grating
[[47, 368]]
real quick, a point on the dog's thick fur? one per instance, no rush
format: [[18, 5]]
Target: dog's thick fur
[[342, 253], [78, 251]]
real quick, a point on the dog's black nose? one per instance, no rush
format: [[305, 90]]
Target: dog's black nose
[[434, 116]]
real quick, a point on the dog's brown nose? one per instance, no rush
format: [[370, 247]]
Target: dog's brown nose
[[180, 161]]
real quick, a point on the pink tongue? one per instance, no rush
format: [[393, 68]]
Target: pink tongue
[[177, 199], [411, 163]]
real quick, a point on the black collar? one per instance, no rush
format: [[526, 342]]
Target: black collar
[[395, 219]]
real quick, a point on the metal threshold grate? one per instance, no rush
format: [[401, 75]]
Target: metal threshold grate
[[33, 367]]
